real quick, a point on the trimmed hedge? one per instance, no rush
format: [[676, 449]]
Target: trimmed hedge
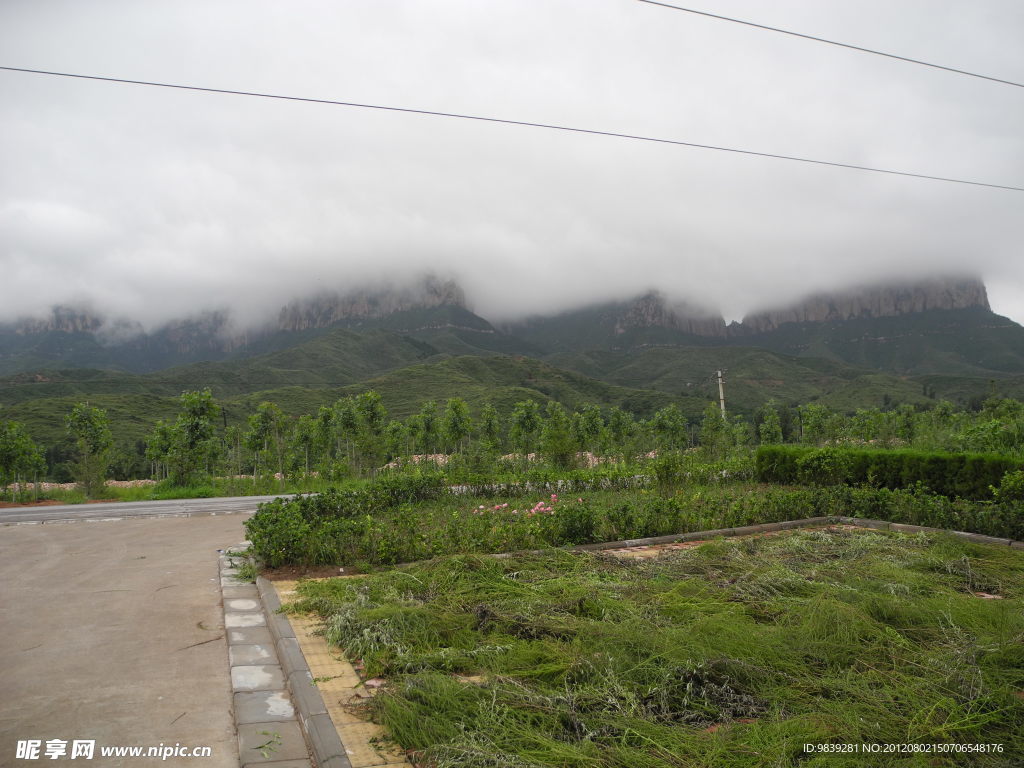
[[322, 530], [964, 475]]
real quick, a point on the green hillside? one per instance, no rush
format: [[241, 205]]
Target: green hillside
[[752, 376], [960, 342]]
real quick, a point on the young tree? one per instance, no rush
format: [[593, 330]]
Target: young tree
[[20, 457], [371, 418], [345, 427], [814, 420], [669, 425], [456, 425], [158, 446], [525, 423], [396, 440], [266, 438], [619, 432], [194, 446], [424, 427], [715, 432], [490, 429], [770, 429], [90, 428], [586, 427], [556, 441], [302, 445]]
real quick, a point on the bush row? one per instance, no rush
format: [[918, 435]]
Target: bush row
[[964, 475], [321, 530]]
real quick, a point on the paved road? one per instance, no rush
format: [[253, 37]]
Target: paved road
[[113, 632], [122, 509]]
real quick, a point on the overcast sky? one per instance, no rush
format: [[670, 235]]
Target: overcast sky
[[154, 203]]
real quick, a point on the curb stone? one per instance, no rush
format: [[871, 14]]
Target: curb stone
[[324, 741], [269, 731]]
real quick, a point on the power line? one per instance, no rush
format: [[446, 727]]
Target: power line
[[833, 42], [523, 123]]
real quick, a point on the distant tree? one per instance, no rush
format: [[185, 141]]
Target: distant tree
[[302, 445], [556, 440], [715, 432], [396, 440], [490, 429], [90, 428], [669, 426], [194, 445], [814, 420], [371, 418], [557, 444], [265, 438], [770, 428], [425, 427], [619, 432], [158, 446], [457, 424], [586, 427], [345, 427], [20, 458], [525, 423]]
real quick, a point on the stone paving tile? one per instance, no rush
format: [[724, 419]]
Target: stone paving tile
[[269, 734], [244, 655], [262, 743], [242, 605], [250, 636], [243, 620], [262, 707], [264, 677], [248, 591]]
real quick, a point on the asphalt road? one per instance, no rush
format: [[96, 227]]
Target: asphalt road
[[129, 509]]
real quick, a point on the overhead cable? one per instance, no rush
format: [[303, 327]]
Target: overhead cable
[[522, 123]]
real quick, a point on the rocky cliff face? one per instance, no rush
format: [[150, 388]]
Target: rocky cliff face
[[207, 332], [653, 310], [872, 301], [65, 319], [330, 308]]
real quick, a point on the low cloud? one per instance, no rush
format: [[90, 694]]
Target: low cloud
[[156, 204]]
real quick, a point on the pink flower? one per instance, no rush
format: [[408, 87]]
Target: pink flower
[[579, 500], [554, 497]]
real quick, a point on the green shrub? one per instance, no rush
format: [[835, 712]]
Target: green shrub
[[824, 466], [970, 476], [1011, 487]]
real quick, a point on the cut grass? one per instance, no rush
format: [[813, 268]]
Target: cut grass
[[734, 653]]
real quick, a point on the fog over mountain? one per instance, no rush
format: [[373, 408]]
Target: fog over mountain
[[153, 204]]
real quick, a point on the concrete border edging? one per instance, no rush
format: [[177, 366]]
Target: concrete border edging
[[324, 741], [673, 538]]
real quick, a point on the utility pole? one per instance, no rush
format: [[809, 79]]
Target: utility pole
[[721, 393]]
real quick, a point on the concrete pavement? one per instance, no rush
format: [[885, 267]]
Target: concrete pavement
[[113, 632]]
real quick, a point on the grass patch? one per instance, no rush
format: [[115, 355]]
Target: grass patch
[[735, 653]]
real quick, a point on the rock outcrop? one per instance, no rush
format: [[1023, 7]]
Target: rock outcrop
[[652, 310], [329, 308], [885, 300], [63, 319]]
